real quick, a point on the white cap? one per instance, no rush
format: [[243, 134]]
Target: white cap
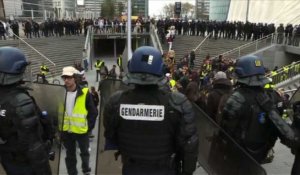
[[220, 75], [69, 71]]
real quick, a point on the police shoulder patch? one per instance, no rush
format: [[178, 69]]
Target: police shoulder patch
[[142, 112], [257, 63]]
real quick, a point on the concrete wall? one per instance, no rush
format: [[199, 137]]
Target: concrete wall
[[277, 56]]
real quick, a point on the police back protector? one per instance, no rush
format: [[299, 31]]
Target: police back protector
[[148, 126], [256, 132]]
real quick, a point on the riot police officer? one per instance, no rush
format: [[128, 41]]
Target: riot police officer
[[246, 112], [21, 147], [154, 130], [296, 150]]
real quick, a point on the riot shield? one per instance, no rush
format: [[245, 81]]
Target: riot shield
[[105, 162], [219, 153], [51, 98], [295, 97]]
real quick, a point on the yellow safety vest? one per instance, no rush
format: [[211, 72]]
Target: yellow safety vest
[[98, 65], [172, 83], [273, 73], [42, 68], [269, 86], [77, 121], [120, 61]]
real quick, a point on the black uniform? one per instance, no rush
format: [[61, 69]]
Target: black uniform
[[154, 131], [248, 123], [295, 149], [21, 146]]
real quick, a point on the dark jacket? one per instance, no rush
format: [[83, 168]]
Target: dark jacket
[[220, 88]]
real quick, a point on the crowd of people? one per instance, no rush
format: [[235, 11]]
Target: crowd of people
[[220, 88], [47, 28], [237, 30], [119, 25]]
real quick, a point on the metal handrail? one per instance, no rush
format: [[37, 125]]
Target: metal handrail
[[201, 42], [246, 45], [283, 74], [157, 39], [281, 69], [87, 40], [33, 48], [20, 39]]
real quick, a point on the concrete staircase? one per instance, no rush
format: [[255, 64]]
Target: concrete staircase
[[62, 51], [184, 44]]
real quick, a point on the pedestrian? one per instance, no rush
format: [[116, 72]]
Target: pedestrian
[[103, 72], [120, 63], [22, 149], [221, 88], [192, 59], [296, 150], [79, 120], [44, 70], [85, 60], [98, 66], [112, 72], [163, 141], [170, 39], [96, 100]]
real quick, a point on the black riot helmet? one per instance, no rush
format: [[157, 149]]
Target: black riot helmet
[[12, 65]]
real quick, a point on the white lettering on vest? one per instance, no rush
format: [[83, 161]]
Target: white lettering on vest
[[142, 112], [2, 112]]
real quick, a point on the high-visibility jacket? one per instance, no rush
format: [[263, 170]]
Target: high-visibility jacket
[[172, 83], [119, 61], [44, 70], [77, 121], [269, 86], [98, 65], [273, 73], [207, 67]]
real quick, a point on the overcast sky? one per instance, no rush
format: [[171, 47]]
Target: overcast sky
[[156, 6]]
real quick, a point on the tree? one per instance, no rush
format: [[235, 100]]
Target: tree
[[187, 8], [168, 10], [108, 9]]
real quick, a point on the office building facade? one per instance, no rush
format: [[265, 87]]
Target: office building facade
[[28, 9], [218, 10], [90, 9], [65, 9], [202, 8], [140, 8]]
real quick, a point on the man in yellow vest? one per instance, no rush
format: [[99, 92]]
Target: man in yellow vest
[[98, 65], [44, 70], [79, 120], [120, 63]]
